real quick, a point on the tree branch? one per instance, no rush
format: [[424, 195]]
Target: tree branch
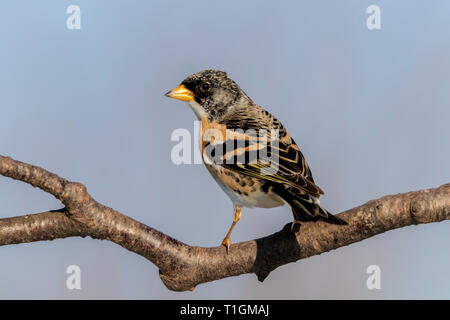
[[183, 267]]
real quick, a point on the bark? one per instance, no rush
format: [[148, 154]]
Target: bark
[[182, 267]]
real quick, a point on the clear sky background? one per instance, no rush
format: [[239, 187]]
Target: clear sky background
[[369, 109]]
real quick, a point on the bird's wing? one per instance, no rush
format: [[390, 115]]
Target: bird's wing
[[257, 151]]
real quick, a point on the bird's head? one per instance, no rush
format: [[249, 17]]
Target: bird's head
[[210, 93]]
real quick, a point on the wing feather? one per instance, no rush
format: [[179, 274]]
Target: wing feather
[[273, 157]]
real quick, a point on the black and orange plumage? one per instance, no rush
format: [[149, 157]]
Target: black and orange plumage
[[249, 152]]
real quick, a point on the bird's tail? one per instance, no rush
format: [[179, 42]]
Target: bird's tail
[[307, 208]]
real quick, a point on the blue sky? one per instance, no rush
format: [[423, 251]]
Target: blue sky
[[369, 109]]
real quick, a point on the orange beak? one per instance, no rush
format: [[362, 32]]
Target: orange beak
[[181, 93]]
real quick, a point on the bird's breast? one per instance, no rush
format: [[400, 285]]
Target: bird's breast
[[243, 190]]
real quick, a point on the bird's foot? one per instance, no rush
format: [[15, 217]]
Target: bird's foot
[[226, 243], [294, 223]]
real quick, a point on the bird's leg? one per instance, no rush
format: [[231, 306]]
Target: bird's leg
[[237, 216], [294, 223]]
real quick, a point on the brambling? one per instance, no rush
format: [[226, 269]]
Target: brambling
[[233, 130]]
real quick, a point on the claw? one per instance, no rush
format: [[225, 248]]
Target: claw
[[294, 223], [237, 216], [226, 243]]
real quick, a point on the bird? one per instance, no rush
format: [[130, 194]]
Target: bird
[[249, 152]]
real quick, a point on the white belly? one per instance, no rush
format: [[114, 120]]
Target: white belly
[[258, 198]]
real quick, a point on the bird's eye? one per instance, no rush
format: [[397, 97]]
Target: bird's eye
[[205, 86]]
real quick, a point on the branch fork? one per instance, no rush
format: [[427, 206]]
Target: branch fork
[[183, 267]]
